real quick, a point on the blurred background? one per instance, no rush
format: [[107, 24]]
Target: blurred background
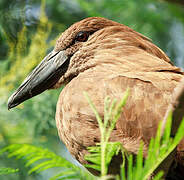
[[28, 31]]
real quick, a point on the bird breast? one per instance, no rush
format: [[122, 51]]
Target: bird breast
[[150, 94]]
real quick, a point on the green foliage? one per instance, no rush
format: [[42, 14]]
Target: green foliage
[[40, 159], [18, 51], [25, 123], [95, 156], [107, 150], [4, 171]]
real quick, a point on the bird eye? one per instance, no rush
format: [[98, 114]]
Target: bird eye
[[82, 36]]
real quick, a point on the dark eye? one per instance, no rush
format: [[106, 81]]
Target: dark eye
[[82, 36]]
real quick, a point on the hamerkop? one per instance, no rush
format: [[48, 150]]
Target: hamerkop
[[104, 58]]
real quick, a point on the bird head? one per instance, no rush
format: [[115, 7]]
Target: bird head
[[73, 54], [63, 63]]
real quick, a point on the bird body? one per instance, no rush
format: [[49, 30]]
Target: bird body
[[150, 95], [104, 58]]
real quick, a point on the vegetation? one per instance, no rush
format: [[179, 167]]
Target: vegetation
[[7, 170], [28, 30]]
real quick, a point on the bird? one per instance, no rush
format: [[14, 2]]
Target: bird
[[104, 58]]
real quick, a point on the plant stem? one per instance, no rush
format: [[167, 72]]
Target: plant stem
[[103, 153]]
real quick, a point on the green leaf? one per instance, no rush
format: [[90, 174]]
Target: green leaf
[[113, 148], [93, 166], [4, 170], [32, 156]]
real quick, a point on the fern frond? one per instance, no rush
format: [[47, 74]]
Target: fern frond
[[102, 154], [40, 159]]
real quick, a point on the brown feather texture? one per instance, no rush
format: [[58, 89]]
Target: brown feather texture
[[113, 58]]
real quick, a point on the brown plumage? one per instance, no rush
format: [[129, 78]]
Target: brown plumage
[[105, 58]]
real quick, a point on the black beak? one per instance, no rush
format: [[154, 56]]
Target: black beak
[[43, 77]]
